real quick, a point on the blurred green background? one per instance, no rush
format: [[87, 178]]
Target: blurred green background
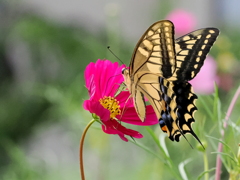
[[44, 49]]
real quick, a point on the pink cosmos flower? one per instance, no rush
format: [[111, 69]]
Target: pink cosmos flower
[[103, 80], [204, 81], [183, 21]]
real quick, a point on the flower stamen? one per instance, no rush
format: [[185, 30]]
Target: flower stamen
[[112, 105]]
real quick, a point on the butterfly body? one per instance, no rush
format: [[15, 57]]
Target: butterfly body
[[160, 69]]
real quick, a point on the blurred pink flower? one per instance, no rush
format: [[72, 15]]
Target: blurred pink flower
[[103, 79], [203, 83], [226, 81], [183, 21]]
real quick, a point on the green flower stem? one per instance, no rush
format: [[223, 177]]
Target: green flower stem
[[81, 148], [206, 168], [220, 145]]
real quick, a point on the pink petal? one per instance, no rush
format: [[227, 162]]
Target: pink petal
[[87, 105], [103, 78], [113, 127], [96, 108], [107, 77], [88, 74], [124, 99], [130, 116]]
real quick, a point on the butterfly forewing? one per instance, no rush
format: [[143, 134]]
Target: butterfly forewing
[[155, 51], [191, 51]]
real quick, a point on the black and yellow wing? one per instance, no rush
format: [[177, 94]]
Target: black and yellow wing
[[154, 55], [155, 51], [159, 70], [191, 51]]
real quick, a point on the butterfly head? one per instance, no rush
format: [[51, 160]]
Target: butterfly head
[[126, 76], [125, 70]]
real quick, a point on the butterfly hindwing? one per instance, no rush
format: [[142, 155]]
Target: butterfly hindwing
[[140, 104], [161, 96], [185, 99], [163, 101]]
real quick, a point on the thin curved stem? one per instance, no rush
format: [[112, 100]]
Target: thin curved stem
[[220, 145], [206, 168], [81, 148]]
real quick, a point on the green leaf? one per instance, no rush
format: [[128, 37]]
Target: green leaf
[[182, 170], [203, 173]]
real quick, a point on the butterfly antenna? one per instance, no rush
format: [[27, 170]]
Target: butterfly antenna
[[115, 55]]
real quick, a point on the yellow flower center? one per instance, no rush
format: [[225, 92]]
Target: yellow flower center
[[112, 105]]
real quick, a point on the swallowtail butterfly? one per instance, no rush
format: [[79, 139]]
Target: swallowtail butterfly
[[160, 69]]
